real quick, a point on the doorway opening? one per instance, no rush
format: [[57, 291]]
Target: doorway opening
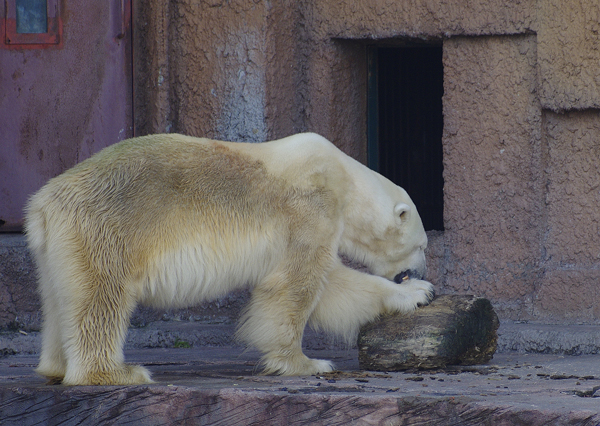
[[405, 124]]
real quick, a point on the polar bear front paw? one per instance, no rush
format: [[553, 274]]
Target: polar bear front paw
[[295, 365], [410, 295]]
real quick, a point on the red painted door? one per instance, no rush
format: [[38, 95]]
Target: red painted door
[[65, 90]]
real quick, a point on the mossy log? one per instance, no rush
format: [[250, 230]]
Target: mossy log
[[452, 330]]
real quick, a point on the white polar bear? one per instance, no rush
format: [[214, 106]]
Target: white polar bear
[[170, 221]]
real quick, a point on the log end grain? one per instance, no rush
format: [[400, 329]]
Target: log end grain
[[452, 330]]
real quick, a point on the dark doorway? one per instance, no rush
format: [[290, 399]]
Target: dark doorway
[[406, 123]]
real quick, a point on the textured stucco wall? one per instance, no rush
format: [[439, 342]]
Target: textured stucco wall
[[569, 54], [337, 94], [286, 78], [208, 77], [151, 75], [368, 19], [571, 286], [492, 166], [245, 70], [521, 182]]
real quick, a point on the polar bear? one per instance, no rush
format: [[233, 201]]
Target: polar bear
[[170, 221]]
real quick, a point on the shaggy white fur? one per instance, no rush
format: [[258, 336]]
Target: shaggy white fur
[[170, 221]]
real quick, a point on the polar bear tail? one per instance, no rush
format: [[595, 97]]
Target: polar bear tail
[[35, 229]]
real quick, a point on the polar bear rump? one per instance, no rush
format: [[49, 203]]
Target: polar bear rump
[[171, 221]]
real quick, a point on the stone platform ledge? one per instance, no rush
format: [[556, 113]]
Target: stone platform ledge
[[512, 337], [220, 386], [575, 339]]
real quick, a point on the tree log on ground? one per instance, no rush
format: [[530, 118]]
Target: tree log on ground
[[452, 330]]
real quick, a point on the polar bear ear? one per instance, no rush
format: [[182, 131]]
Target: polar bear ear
[[401, 210]]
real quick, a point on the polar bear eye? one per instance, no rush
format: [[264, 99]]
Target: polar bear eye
[[401, 210]]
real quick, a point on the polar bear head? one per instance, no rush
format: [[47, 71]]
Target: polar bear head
[[383, 229]]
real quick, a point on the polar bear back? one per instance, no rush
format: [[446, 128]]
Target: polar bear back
[[186, 219]]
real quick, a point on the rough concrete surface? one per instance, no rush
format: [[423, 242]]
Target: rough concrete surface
[[221, 386], [512, 338], [521, 99], [441, 18], [568, 54], [493, 205], [515, 172], [572, 250], [579, 339], [19, 302], [214, 89]]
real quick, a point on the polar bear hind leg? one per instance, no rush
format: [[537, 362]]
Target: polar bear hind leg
[[52, 364], [95, 335], [84, 331]]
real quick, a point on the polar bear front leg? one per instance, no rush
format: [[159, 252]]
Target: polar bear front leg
[[275, 319], [351, 299]]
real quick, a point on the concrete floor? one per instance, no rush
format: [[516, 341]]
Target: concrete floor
[[542, 374], [221, 385]]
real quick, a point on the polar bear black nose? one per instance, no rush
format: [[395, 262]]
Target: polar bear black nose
[[403, 276]]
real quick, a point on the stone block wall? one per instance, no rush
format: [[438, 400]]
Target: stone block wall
[[521, 119], [19, 302]]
